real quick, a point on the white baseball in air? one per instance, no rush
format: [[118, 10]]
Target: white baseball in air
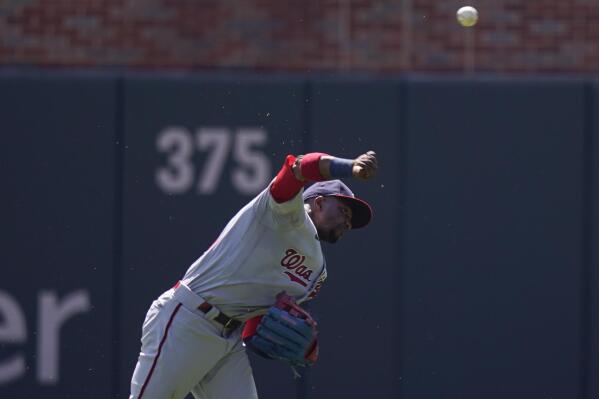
[[467, 16]]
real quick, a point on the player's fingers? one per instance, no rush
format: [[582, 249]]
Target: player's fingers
[[275, 351], [370, 163], [365, 172], [367, 160], [296, 333], [295, 323], [264, 345], [374, 160], [368, 155], [288, 334], [371, 156], [373, 169], [269, 335]]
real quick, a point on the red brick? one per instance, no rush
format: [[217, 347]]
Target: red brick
[[301, 34]]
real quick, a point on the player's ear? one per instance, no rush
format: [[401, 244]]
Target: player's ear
[[318, 202]]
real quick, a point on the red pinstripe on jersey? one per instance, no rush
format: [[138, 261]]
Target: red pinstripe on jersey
[[168, 325]]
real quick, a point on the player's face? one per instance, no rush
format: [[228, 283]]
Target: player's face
[[332, 218]]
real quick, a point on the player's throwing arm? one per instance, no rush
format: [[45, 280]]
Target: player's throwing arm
[[266, 262]]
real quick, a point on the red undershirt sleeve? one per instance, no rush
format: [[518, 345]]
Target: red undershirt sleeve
[[286, 185]]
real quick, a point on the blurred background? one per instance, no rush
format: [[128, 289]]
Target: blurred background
[[132, 130]]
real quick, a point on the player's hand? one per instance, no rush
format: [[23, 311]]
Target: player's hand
[[365, 166]]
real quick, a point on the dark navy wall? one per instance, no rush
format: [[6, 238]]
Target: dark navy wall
[[478, 276], [57, 174], [357, 304], [591, 346], [491, 239]]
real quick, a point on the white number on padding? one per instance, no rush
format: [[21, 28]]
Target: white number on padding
[[177, 176], [254, 167], [250, 175]]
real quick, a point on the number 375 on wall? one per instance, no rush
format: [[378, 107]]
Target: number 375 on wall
[[250, 173]]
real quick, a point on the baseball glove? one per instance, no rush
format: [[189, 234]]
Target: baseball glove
[[287, 332]]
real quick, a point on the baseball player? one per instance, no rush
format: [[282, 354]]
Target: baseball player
[[267, 260]]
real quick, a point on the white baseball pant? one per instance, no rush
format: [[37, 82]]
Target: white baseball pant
[[182, 351]]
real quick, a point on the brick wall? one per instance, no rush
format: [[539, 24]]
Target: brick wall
[[302, 35]]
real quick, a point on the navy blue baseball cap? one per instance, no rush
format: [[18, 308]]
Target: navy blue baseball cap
[[361, 210]]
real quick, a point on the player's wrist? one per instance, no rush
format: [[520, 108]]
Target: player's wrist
[[340, 168]]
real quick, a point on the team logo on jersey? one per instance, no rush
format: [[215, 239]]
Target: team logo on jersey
[[297, 272]]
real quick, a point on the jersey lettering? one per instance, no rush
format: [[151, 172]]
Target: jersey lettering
[[294, 261]]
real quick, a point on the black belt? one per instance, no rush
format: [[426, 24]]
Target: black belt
[[227, 322]]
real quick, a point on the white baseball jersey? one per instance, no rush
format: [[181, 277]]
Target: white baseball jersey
[[268, 247]]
